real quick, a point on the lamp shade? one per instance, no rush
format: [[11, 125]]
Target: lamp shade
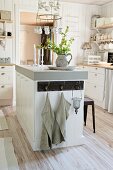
[[86, 45]]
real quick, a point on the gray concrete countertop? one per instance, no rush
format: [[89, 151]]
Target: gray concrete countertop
[[38, 74]]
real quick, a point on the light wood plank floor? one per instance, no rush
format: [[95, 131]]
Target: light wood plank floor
[[95, 154]]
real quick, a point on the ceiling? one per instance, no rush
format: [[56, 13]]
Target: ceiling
[[92, 2]]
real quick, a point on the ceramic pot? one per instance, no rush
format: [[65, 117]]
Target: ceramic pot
[[62, 61], [110, 46]]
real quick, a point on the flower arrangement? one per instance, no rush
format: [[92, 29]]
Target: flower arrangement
[[64, 47]]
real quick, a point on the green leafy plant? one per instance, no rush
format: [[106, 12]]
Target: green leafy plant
[[64, 47]]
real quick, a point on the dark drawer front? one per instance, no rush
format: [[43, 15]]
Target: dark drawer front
[[60, 85]]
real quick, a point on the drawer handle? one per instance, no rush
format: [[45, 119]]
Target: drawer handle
[[95, 74], [2, 86], [2, 67], [95, 86], [2, 73]]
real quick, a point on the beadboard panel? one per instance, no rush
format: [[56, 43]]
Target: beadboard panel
[[107, 10], [82, 19]]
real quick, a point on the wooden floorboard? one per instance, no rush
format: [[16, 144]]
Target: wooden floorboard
[[95, 154]]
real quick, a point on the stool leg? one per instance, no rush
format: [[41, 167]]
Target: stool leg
[[85, 114], [93, 116]]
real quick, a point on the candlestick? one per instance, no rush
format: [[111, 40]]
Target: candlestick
[[42, 57], [34, 54], [38, 57]]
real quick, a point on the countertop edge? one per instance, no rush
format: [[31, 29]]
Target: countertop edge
[[52, 76]]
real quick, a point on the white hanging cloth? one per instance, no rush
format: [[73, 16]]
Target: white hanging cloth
[[47, 125], [109, 91]]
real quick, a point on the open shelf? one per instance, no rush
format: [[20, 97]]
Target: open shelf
[[5, 21], [105, 26], [107, 40], [3, 37], [9, 37], [99, 41]]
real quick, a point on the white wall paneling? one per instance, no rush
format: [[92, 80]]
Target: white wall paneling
[[107, 10], [2, 4], [78, 18]]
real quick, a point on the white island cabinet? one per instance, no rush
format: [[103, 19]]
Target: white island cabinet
[[32, 86], [6, 84]]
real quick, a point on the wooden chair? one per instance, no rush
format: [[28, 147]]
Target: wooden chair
[[88, 101]]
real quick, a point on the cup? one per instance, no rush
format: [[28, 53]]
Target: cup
[[106, 46], [105, 36], [110, 46], [47, 30], [98, 37], [38, 30], [102, 36], [110, 36]]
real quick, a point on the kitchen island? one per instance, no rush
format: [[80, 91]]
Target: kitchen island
[[32, 86]]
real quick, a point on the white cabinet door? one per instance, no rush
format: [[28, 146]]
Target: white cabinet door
[[25, 104], [96, 78], [6, 77], [6, 92], [6, 82], [94, 87]]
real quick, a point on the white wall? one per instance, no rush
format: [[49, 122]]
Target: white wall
[[69, 10], [78, 18], [107, 10]]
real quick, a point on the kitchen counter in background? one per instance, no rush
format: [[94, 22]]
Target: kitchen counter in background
[[99, 85], [7, 64], [32, 86], [103, 65]]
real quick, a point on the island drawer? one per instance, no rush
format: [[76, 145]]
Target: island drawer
[[60, 85]]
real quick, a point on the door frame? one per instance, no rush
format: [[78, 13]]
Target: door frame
[[17, 9]]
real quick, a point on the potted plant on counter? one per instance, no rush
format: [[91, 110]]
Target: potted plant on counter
[[62, 49]]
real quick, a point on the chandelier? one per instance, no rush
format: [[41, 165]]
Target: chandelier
[[47, 16]]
